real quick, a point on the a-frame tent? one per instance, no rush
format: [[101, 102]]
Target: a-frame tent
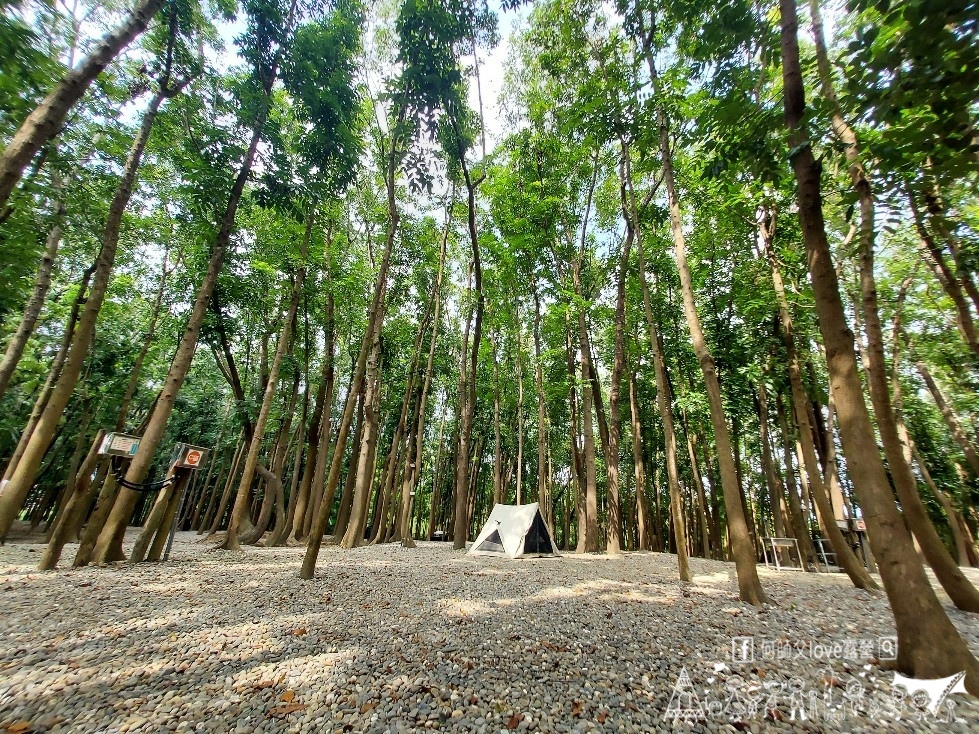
[[516, 531]]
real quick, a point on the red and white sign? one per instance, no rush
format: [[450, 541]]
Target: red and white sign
[[193, 457]]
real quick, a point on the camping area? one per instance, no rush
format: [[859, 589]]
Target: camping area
[[393, 639], [489, 365]]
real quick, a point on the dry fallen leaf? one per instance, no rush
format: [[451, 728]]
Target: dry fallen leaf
[[369, 706], [19, 727], [514, 721], [576, 708], [288, 696], [298, 632], [287, 709], [601, 717]]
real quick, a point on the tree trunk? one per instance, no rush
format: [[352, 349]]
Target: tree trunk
[[644, 521], [319, 435], [577, 451], [45, 122], [74, 506], [155, 520], [962, 593], [951, 419], [776, 492], [54, 372], [353, 535], [832, 472], [137, 367], [72, 475], [318, 528], [929, 646], [497, 445], [243, 496], [519, 369], [845, 557], [800, 524], [15, 347], [200, 520], [542, 439], [392, 463], [226, 492], [663, 401], [110, 540], [468, 394], [434, 510], [272, 502], [744, 555], [414, 465], [940, 224], [933, 255], [282, 530], [588, 531], [706, 518], [24, 475]]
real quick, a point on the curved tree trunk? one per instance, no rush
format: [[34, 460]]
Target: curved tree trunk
[[941, 225], [243, 496], [272, 477], [929, 646], [933, 255]]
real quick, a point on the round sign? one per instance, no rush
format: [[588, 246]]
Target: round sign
[[193, 457]]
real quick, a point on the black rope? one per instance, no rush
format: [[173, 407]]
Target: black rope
[[139, 487]]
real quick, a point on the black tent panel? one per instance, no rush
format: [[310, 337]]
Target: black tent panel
[[493, 543], [537, 540]]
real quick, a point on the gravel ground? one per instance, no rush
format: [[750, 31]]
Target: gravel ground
[[387, 639]]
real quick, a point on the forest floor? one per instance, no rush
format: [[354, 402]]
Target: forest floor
[[390, 639]]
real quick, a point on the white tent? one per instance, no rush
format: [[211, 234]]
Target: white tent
[[516, 531]]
